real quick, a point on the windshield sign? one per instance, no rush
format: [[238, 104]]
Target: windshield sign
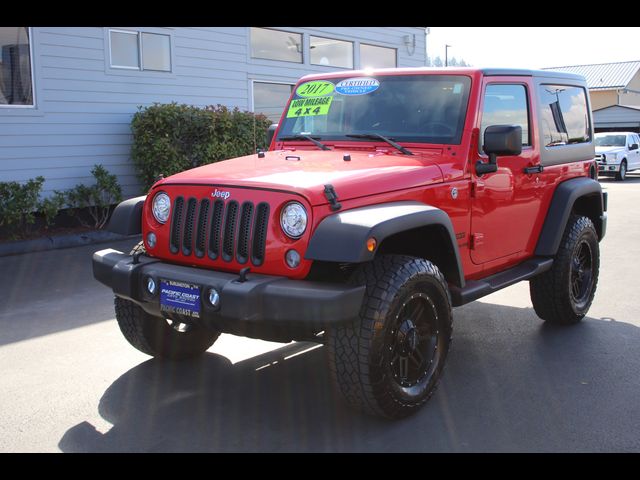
[[403, 108], [357, 86]]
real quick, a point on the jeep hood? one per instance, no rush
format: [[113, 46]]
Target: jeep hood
[[306, 172]]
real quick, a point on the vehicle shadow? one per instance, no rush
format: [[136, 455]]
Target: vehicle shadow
[[512, 383], [632, 177]]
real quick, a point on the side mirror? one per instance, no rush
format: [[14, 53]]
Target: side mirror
[[633, 146], [499, 140], [271, 131]]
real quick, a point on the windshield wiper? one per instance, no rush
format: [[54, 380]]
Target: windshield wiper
[[377, 136], [305, 137]]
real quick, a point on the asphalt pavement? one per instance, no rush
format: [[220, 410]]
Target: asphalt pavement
[[71, 383]]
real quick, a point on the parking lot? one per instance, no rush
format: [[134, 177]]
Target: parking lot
[[71, 383]]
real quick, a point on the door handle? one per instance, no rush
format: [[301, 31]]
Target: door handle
[[534, 169]]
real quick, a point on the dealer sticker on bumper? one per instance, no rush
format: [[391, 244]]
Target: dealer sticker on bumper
[[180, 298]]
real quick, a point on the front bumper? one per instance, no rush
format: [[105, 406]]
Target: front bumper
[[604, 168], [261, 300]]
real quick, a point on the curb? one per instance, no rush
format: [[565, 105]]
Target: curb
[[61, 241]]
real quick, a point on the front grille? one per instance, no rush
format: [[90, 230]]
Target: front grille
[[244, 232], [176, 225], [230, 221], [218, 230]]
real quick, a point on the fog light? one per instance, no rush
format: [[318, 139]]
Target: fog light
[[151, 239], [214, 298], [151, 285], [293, 258]]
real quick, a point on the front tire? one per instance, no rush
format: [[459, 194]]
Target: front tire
[[157, 336], [622, 174], [161, 338], [388, 361], [563, 294]]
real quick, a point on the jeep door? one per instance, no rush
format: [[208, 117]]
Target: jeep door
[[505, 204]]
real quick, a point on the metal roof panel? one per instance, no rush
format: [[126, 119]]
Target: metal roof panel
[[604, 76]]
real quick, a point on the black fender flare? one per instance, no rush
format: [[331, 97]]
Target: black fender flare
[[126, 218], [562, 203], [342, 237]]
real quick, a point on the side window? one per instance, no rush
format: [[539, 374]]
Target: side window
[[505, 105], [564, 118]]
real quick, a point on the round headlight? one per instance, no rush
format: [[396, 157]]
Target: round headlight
[[161, 207], [293, 219]]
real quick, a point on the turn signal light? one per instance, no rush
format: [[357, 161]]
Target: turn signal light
[[371, 244]]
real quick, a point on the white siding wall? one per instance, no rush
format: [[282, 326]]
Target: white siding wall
[[83, 107]]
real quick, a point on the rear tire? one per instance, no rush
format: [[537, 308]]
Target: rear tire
[[388, 361], [157, 336], [563, 294]]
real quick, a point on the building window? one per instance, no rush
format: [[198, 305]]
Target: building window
[[140, 50], [276, 45], [377, 57], [505, 105], [330, 52], [16, 79], [270, 98], [124, 49], [564, 115], [156, 52]]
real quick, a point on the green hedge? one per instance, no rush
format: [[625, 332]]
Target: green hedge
[[170, 138], [90, 205]]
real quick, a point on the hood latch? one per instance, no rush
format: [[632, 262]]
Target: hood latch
[[332, 197]]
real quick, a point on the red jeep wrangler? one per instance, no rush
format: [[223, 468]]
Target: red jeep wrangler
[[386, 198]]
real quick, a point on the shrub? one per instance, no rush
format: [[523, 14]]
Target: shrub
[[96, 199], [49, 207], [19, 203], [170, 138]]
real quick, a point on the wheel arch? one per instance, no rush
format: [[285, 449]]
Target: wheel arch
[[126, 219], [408, 228], [582, 196]]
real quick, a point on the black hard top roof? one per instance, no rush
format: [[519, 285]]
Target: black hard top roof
[[490, 72]]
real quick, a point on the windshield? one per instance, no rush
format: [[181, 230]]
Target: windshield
[[611, 141], [404, 108]]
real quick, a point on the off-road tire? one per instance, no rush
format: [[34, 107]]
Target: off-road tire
[[156, 336], [621, 175], [551, 292], [357, 350]]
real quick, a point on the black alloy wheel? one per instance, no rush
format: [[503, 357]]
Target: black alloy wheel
[[582, 274], [413, 343]]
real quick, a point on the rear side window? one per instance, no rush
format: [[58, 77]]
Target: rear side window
[[505, 105], [564, 118]]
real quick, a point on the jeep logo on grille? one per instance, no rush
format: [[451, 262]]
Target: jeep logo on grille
[[220, 194]]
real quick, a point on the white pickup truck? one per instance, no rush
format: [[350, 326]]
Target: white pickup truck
[[617, 153]]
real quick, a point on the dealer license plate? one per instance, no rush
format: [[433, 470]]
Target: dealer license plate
[[180, 298]]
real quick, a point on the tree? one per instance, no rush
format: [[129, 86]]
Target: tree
[[437, 62]]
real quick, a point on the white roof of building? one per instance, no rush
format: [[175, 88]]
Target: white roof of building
[[604, 76]]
